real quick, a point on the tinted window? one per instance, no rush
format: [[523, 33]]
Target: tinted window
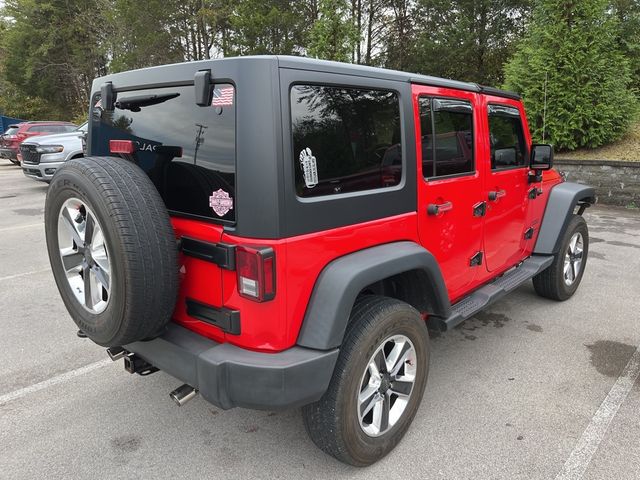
[[508, 146], [345, 139], [452, 145], [11, 131], [188, 151], [52, 128]]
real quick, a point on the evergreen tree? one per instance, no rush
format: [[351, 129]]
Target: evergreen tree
[[572, 49], [333, 36]]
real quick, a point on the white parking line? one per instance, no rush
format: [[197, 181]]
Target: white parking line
[[580, 458], [53, 381], [18, 275], [18, 227]]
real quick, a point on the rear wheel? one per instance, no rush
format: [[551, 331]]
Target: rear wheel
[[112, 249], [377, 385], [561, 280]]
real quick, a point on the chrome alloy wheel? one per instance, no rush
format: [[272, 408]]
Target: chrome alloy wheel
[[386, 385], [84, 256], [573, 259]]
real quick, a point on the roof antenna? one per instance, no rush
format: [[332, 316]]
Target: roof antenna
[[544, 111]]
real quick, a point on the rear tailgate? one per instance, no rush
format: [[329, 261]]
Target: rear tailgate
[[189, 153], [200, 280]]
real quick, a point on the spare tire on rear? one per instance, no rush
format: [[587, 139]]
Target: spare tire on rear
[[112, 249]]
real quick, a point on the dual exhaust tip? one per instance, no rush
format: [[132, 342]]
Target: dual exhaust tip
[[135, 364]]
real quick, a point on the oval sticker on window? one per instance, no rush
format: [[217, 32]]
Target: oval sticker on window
[[309, 168]]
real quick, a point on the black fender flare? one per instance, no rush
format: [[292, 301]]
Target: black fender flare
[[562, 202], [341, 281]]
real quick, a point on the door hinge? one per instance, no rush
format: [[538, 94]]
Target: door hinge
[[221, 254], [476, 260], [480, 209], [528, 235], [534, 193]]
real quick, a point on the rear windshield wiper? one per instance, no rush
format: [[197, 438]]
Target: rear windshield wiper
[[136, 103]]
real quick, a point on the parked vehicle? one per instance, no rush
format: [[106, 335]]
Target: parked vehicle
[[234, 225], [16, 134], [42, 156]]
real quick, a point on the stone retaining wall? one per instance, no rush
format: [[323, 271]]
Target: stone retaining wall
[[616, 182]]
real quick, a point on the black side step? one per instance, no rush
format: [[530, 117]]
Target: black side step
[[495, 290]]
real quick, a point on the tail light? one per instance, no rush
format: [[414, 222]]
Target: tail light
[[256, 267], [122, 146]]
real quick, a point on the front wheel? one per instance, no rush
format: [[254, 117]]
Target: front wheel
[[561, 280], [377, 385]]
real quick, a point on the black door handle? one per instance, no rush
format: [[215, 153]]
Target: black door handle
[[435, 208], [495, 195]]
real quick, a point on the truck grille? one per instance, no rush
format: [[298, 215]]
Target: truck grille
[[29, 154]]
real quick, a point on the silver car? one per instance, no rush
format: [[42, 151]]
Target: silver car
[[42, 156]]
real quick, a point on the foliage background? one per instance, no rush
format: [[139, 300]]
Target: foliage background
[[50, 50]]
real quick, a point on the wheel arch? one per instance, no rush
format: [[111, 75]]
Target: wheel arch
[[402, 270], [562, 203]]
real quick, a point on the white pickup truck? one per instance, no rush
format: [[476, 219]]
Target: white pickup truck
[[42, 156]]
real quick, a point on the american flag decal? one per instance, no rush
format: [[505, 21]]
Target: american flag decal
[[222, 97]]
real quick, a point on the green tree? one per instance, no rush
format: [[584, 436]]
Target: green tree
[[334, 35], [572, 55], [628, 15], [52, 50], [276, 27], [468, 39]]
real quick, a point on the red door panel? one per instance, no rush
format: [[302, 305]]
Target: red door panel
[[507, 183], [447, 226]]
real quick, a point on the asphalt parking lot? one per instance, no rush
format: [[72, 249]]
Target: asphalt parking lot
[[531, 389]]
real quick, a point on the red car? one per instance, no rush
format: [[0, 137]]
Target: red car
[[277, 232], [11, 139]]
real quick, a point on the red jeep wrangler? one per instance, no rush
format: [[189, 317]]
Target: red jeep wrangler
[[277, 232]]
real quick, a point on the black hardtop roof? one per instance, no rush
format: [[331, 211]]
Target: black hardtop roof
[[128, 79]]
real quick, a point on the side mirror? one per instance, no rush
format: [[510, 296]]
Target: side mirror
[[541, 157], [108, 97]]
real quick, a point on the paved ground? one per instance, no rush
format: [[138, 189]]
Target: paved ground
[[512, 393]]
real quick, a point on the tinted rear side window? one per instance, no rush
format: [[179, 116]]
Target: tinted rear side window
[[188, 151], [345, 139], [508, 146]]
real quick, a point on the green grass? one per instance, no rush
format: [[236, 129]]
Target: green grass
[[627, 148]]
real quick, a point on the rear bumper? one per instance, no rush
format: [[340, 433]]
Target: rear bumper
[[229, 376]]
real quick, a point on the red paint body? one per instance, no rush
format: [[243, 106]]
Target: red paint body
[[452, 237]]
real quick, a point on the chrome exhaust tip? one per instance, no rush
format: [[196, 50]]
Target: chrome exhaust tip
[[183, 394]]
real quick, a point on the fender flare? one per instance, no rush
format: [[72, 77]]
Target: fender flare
[[563, 199], [341, 281]]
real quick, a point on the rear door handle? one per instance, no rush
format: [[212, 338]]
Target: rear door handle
[[437, 208], [495, 195]]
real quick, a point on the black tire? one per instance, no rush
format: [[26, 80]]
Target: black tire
[[551, 282], [140, 244], [333, 421]]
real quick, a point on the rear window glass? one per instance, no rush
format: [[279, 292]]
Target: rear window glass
[[345, 139], [188, 151], [52, 128], [11, 131]]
